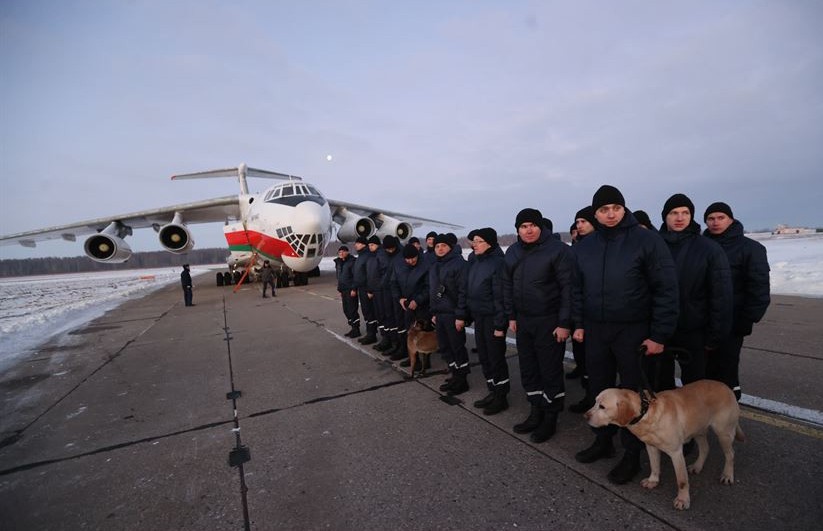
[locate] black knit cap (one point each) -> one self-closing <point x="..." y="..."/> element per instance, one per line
<point x="472" y="233"/>
<point x="586" y="213"/>
<point x="528" y="215"/>
<point x="443" y="238"/>
<point x="414" y="239"/>
<point x="548" y="224"/>
<point x="607" y="195"/>
<point x="643" y="218"/>
<point x="452" y="237"/>
<point x="718" y="207"/>
<point x="487" y="234"/>
<point x="342" y="248"/>
<point x="389" y="242"/>
<point x="677" y="201"/>
<point x="410" y="251"/>
<point x="431" y="234"/>
<point x="375" y="239"/>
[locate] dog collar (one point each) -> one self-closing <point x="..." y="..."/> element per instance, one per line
<point x="644" y="407"/>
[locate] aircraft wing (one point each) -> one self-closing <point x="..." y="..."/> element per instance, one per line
<point x="371" y="212"/>
<point x="209" y="210"/>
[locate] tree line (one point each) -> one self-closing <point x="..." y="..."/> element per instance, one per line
<point x="81" y="264"/>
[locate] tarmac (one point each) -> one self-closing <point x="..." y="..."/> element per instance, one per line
<point x="251" y="413"/>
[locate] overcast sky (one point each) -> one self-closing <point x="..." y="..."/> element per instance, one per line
<point x="465" y="111"/>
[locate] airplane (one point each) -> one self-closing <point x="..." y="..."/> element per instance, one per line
<point x="290" y="223"/>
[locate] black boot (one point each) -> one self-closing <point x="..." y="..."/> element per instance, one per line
<point x="498" y="404"/>
<point x="459" y="385"/>
<point x="427" y="362"/>
<point x="584" y="405"/>
<point x="602" y="447"/>
<point x="626" y="469"/>
<point x="400" y="352"/>
<point x="445" y="386"/>
<point x="546" y="428"/>
<point x="531" y="423"/>
<point x="354" y="332"/>
<point x="368" y="339"/>
<point x="485" y="401"/>
<point x="384" y="345"/>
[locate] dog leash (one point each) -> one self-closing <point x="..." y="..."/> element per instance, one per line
<point x="646" y="391"/>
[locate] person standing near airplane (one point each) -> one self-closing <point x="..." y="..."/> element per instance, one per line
<point x="185" y="280"/>
<point x="625" y="297"/>
<point x="705" y="285"/>
<point x="344" y="267"/>
<point x="375" y="276"/>
<point x="394" y="314"/>
<point x="584" y="223"/>
<point x="410" y="292"/>
<point x="447" y="300"/>
<point x="267" y="277"/>
<point x="751" y="292"/>
<point x="360" y="289"/>
<point x="537" y="302"/>
<point x="484" y="298"/>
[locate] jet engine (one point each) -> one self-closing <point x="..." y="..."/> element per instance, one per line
<point x="387" y="225"/>
<point x="352" y="226"/>
<point x="175" y="237"/>
<point x="109" y="246"/>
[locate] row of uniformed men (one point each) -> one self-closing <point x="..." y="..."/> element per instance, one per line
<point x="620" y="288"/>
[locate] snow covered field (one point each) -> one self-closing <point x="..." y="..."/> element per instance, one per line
<point x="34" y="309"/>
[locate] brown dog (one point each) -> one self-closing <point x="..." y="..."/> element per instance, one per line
<point x="423" y="342"/>
<point x="673" y="417"/>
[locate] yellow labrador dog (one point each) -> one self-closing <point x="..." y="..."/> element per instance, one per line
<point x="669" y="420"/>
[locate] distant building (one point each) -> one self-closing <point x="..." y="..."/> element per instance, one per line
<point x="785" y="229"/>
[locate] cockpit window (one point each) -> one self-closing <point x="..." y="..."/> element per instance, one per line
<point x="294" y="194"/>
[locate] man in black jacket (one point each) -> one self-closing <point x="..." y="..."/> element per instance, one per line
<point x="750" y="279"/>
<point x="537" y="302"/>
<point x="410" y="291"/>
<point x="625" y="296"/>
<point x="447" y="301"/>
<point x="344" y="267"/>
<point x="185" y="280"/>
<point x="705" y="285"/>
<point x="484" y="298"/>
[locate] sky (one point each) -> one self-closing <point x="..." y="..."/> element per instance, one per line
<point x="463" y="111"/>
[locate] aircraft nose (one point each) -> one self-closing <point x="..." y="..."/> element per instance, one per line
<point x="311" y="218"/>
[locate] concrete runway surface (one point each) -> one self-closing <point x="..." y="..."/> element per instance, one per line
<point x="130" y="423"/>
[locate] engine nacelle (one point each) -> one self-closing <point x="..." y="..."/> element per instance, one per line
<point x="175" y="238"/>
<point x="387" y="225"/>
<point x="353" y="226"/>
<point x="107" y="248"/>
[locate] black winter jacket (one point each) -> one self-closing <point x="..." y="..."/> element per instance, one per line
<point x="750" y="277"/>
<point x="376" y="270"/>
<point x="411" y="282"/>
<point x="447" y="284"/>
<point x="360" y="266"/>
<point x="484" y="295"/>
<point x="626" y="274"/>
<point x="538" y="279"/>
<point x="345" y="273"/>
<point x="705" y="283"/>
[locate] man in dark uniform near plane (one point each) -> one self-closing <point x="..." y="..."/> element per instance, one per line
<point x="360" y="289"/>
<point x="750" y="280"/>
<point x="625" y="296"/>
<point x="344" y="267"/>
<point x="537" y="285"/>
<point x="185" y="280"/>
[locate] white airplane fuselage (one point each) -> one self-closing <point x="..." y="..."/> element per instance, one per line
<point x="290" y="223"/>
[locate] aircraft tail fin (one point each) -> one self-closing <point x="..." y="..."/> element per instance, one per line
<point x="241" y="172"/>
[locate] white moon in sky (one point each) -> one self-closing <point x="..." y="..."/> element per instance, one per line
<point x="328" y="157"/>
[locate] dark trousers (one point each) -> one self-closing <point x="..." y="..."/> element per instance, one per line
<point x="579" y="352"/>
<point x="367" y="308"/>
<point x="541" y="361"/>
<point x="382" y="310"/>
<point x="350" y="306"/>
<point x="723" y="363"/>
<point x="612" y="349"/>
<point x="266" y="284"/>
<point x="492" y="353"/>
<point x="187" y="296"/>
<point x="660" y="369"/>
<point x="452" y="344"/>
